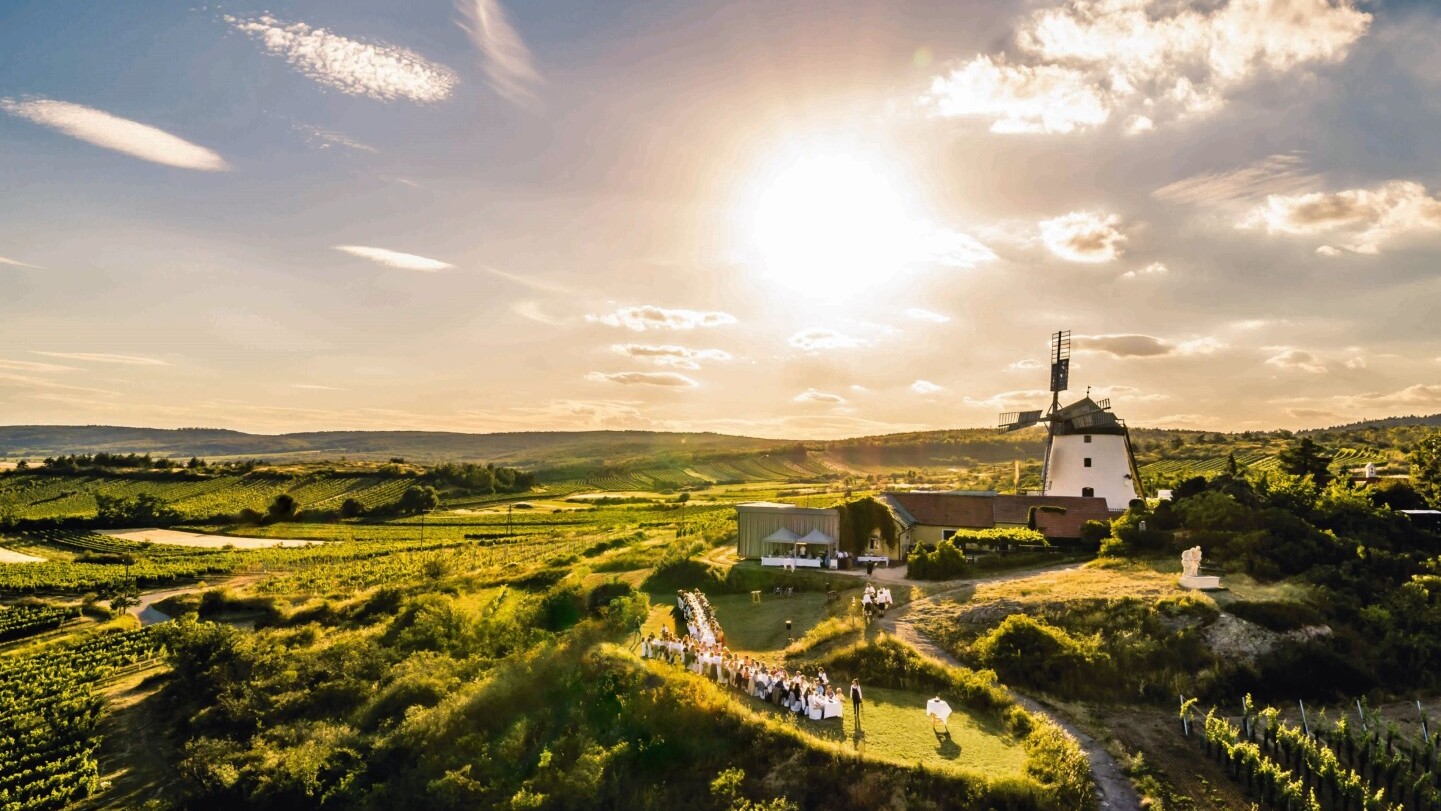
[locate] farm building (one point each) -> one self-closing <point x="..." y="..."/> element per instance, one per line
<point x="768" y="530"/>
<point x="933" y="517"/>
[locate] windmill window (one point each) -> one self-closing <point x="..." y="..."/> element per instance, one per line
<point x="1088" y="492"/>
<point x="1088" y="439"/>
<point x="1087" y="461"/>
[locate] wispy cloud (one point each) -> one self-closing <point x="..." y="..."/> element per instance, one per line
<point x="926" y="387"/>
<point x="100" y="357"/>
<point x="666" y="379"/>
<point x="30" y="366"/>
<point x="314" y="387"/>
<point x="1364" y="218"/>
<point x="1145" y="346"/>
<point x="322" y="138"/>
<point x="395" y="259"/>
<point x="813" y="396"/>
<point x="1277" y="174"/>
<point x="647" y="317"/>
<point x="1155" y="270"/>
<point x="113" y="132"/>
<point x="1083" y="236"/>
<point x="27" y="383"/>
<point x="509" y="66"/>
<point x="17" y="263"/>
<point x="1292" y="358"/>
<point x="681" y="357"/>
<point x="1009" y="400"/>
<point x="376" y="70"/>
<point x="1081" y="63"/>
<point x="919" y="314"/>
<point x="815" y="339"/>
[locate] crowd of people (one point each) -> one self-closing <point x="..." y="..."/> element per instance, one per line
<point x="702" y="651"/>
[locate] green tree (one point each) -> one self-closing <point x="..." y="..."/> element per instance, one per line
<point x="1304" y="458"/>
<point x="1426" y="468"/>
<point x="352" y="508"/>
<point x="418" y="499"/>
<point x="283" y="508"/>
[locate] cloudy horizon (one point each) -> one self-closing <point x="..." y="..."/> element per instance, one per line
<point x="797" y="222"/>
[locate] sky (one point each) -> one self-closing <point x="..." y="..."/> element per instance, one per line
<point x="804" y="219"/>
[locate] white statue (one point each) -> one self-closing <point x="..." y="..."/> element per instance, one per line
<point x="1191" y="562"/>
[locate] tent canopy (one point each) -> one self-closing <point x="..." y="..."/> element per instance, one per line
<point x="815" y="536"/>
<point x="781" y="535"/>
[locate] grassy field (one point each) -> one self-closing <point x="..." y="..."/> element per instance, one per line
<point x="895" y="728"/>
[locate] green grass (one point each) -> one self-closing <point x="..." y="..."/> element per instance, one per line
<point x="760" y="628"/>
<point x="894" y="728"/>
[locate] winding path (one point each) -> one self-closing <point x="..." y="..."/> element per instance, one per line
<point x="1114" y="791"/>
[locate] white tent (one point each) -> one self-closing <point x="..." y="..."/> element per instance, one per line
<point x="815" y="536"/>
<point x="782" y="535"/>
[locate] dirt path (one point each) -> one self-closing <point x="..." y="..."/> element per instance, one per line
<point x="1114" y="791"/>
<point x="146" y="612"/>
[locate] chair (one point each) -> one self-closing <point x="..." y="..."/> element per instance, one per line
<point x="756" y="596"/>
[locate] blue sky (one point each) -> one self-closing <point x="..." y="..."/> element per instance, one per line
<point x="803" y="219"/>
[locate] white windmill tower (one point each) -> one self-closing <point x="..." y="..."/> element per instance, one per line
<point x="1088" y="449"/>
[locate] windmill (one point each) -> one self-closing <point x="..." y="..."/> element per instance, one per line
<point x="1088" y="448"/>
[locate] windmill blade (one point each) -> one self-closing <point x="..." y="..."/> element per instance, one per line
<point x="1016" y="420"/>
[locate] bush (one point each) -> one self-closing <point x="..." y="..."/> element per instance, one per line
<point x="1034" y="653"/>
<point x="1276" y="616"/>
<point x="1094" y="532"/>
<point x="945" y="562"/>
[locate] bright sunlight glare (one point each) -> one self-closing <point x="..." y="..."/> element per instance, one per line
<point x="831" y="225"/>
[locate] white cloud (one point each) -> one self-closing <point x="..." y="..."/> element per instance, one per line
<point x="1010" y="400"/>
<point x="375" y="70"/>
<point x="813" y="396"/>
<point x="815" y="339"/>
<point x="508" y="63"/>
<point x="681" y="357"/>
<point x="919" y="314"/>
<point x="946" y="247"/>
<point x="1276" y="174"/>
<point x="531" y="310"/>
<point x="395" y="259"/>
<point x="1083" y="236"/>
<point x="667" y="379"/>
<point x="1364" y="218"/>
<point x="99" y="357"/>
<point x="646" y="317"/>
<point x="1152" y="271"/>
<point x="321" y="138"/>
<point x="17" y="263"/>
<point x="1026" y="365"/>
<point x="314" y="387"/>
<point x="1083" y="61"/>
<point x="1420" y="395"/>
<point x="925" y="387"/>
<point x="1291" y="358"/>
<point x="113" y="132"/>
<point x="1019" y="98"/>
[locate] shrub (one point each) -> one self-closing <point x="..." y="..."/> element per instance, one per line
<point x="1276" y="616"/>
<point x="1094" y="532"/>
<point x="1035" y="653"/>
<point x="945" y="562"/>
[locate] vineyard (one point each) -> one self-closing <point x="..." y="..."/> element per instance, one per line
<point x="760" y="468"/>
<point x="48" y="718"/>
<point x="1174" y="470"/>
<point x="18" y="622"/>
<point x="1328" y="767"/>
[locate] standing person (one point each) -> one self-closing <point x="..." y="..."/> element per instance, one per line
<point x="856" y="701"/>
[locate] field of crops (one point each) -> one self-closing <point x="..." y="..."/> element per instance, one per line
<point x="1172" y="470"/>
<point x="20" y="621"/>
<point x="1331" y="766"/>
<point x="41" y="496"/>
<point x="48" y="718"/>
<point x="760" y="468"/>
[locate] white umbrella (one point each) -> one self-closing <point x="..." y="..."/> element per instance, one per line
<point x="938" y="709"/>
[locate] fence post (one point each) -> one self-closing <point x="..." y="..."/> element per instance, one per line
<point x="1305" y="725"/>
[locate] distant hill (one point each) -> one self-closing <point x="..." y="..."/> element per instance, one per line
<point x="531" y="449"/>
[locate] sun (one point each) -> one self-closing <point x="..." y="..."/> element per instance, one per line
<point x="830" y="224"/>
